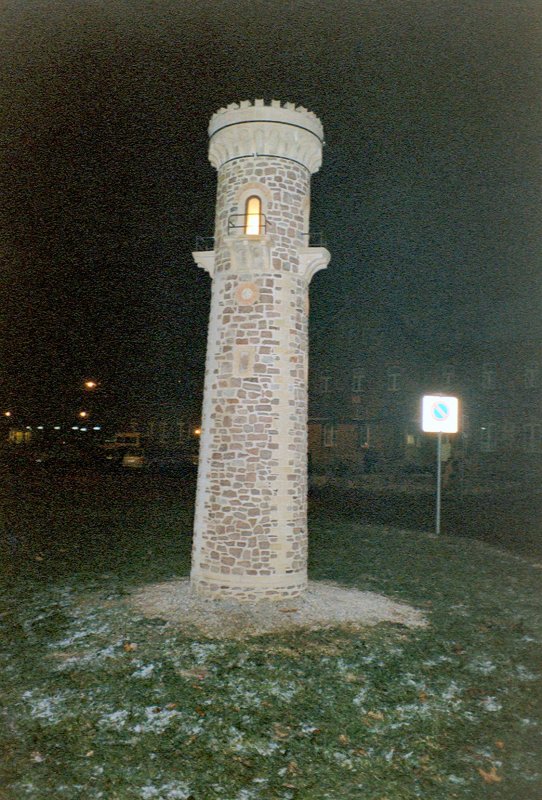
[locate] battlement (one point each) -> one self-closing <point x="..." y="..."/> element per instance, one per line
<point x="262" y="104"/>
<point x="256" y="128"/>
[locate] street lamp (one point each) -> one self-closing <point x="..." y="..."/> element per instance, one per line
<point x="90" y="384"/>
<point x="83" y="414"/>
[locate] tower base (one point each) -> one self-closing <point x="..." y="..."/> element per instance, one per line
<point x="245" y="588"/>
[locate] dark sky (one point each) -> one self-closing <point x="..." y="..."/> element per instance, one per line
<point x="429" y="194"/>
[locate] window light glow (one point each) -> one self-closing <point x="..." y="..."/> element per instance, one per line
<point x="253" y="216"/>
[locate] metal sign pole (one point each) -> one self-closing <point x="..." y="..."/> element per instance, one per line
<point x="439" y="415"/>
<point x="439" y="479"/>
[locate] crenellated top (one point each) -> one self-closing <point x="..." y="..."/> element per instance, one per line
<point x="283" y="130"/>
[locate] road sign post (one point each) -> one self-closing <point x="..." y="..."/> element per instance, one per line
<point x="439" y="415"/>
<point x="439" y="481"/>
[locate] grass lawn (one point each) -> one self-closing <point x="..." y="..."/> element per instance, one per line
<point x="99" y="703"/>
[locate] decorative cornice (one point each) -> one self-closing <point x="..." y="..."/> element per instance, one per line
<point x="205" y="259"/>
<point x="252" y="129"/>
<point x="253" y="256"/>
<point x="312" y="260"/>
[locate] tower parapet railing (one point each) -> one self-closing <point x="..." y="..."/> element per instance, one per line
<point x="204" y="244"/>
<point x="207" y="243"/>
<point x="316" y="239"/>
<point x="239" y="221"/>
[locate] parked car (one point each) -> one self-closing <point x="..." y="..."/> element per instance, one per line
<point x="133" y="459"/>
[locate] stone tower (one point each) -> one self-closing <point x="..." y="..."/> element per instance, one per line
<point x="250" y="532"/>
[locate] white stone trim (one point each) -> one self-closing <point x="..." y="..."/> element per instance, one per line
<point x="275" y="130"/>
<point x="312" y="260"/>
<point x="257" y="583"/>
<point x="275" y="112"/>
<point x="205" y="259"/>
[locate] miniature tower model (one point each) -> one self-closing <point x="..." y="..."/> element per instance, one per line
<point x="250" y="532"/>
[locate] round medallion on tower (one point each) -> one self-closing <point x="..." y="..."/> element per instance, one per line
<point x="247" y="294"/>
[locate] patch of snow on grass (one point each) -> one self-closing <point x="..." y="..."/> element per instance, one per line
<point x="53" y="708"/>
<point x="484" y="667"/>
<point x="201" y="652"/>
<point x="343" y="760"/>
<point x="156" y="720"/>
<point x="143" y="671"/>
<point x="168" y="791"/>
<point x="91" y="657"/>
<point x="79" y="635"/>
<point x="523" y="674"/>
<point x="461" y="610"/>
<point x="279" y="692"/>
<point x="306" y="728"/>
<point x="451" y="692"/>
<point x="434" y="662"/>
<point x="490" y="704"/>
<point x="248" y="794"/>
<point x="115" y="721"/>
<point x="266" y="748"/>
<point x="361" y="696"/>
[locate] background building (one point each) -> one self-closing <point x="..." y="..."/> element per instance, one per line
<point x="366" y="385"/>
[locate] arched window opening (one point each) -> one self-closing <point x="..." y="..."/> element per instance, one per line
<point x="253" y="216"/>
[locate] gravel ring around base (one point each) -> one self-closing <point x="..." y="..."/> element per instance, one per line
<point x="324" y="604"/>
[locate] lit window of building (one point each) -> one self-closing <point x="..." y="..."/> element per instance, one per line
<point x="357" y="380"/>
<point x="330" y="435"/>
<point x="531" y="376"/>
<point x="253" y="216"/>
<point x="488" y="437"/>
<point x="532" y="437"/>
<point x="393" y="378"/>
<point x="448" y="375"/>
<point x="489" y="376"/>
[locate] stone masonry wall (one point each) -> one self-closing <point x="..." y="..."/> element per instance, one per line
<point x="251" y="527"/>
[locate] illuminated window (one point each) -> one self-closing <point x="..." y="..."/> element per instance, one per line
<point x="448" y="375"/>
<point x="531" y="376"/>
<point x="329" y="435"/>
<point x="532" y="437"/>
<point x="489" y="376"/>
<point x="253" y="216"/>
<point x="357" y="380"/>
<point x="393" y="376"/>
<point x="488" y="437"/>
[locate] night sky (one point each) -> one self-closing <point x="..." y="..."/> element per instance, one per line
<point x="428" y="197"/>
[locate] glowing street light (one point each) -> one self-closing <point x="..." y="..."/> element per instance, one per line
<point x="90" y="384"/>
<point x="83" y="414"/>
<point x="7" y="413"/>
<point x="197" y="431"/>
